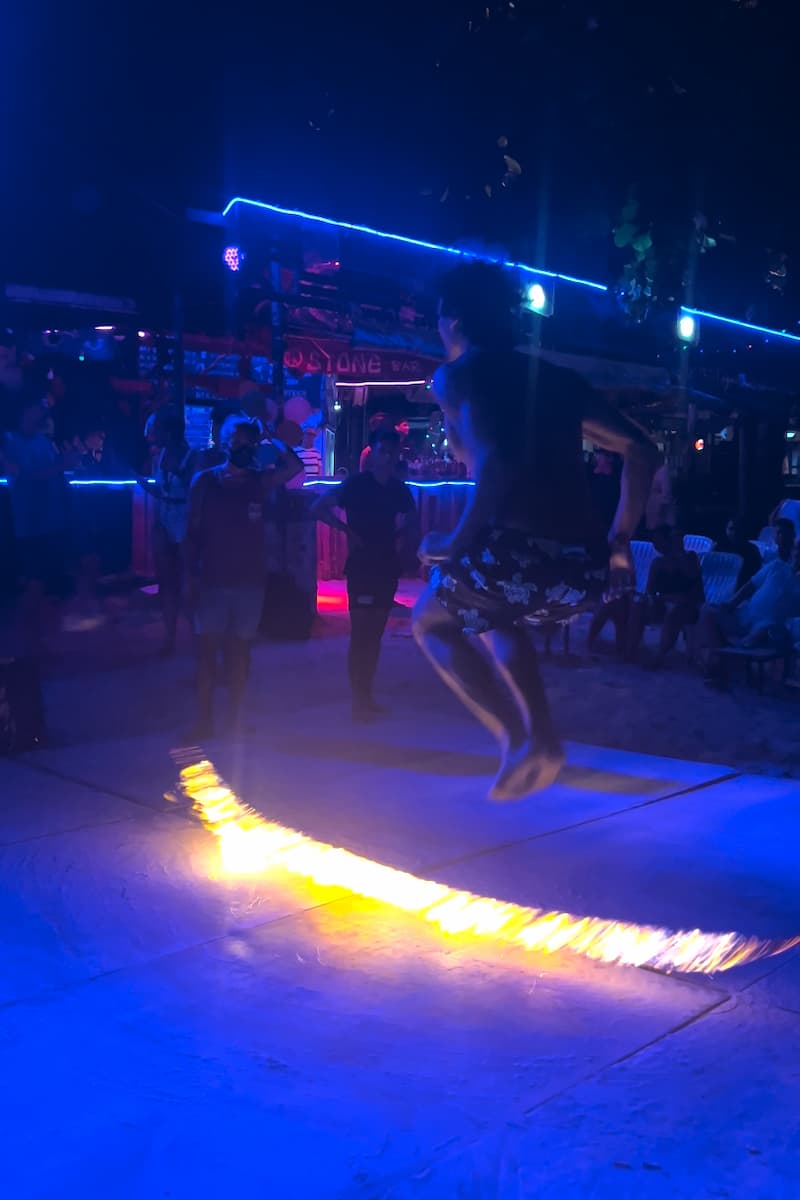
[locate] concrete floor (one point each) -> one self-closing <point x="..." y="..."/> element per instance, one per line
<point x="166" y="1031"/>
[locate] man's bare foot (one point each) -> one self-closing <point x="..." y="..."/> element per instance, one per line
<point x="528" y="769"/>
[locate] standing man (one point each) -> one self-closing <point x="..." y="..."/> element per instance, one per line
<point x="309" y="455"/>
<point x="39" y="507"/>
<point x="174" y="469"/>
<point x="380" y="510"/>
<point x="528" y="543"/>
<point x="225" y="564"/>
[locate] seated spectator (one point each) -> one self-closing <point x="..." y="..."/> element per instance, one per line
<point x="734" y="541"/>
<point x="617" y="610"/>
<point x="758" y="613"/>
<point x="39" y="508"/>
<point x="673" y="598"/>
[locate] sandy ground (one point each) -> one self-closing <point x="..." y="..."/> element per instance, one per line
<point x="170" y="1028"/>
<point x="596" y="699"/>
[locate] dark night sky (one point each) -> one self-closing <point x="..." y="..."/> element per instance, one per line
<point x="372" y="111"/>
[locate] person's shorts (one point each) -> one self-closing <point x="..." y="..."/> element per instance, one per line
<point x="229" y="611"/>
<point x="508" y="574"/>
<point x="43" y="560"/>
<point x="371" y="591"/>
<point x="656" y="609"/>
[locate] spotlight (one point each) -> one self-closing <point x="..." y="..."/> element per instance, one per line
<point x="687" y="328"/>
<point x="233" y="257"/>
<point x="538" y="300"/>
<point x="700" y="445"/>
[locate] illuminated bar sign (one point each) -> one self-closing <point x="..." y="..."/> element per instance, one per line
<point x="303" y="357"/>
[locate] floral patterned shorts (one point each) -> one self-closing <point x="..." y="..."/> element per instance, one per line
<point x="509" y="574"/>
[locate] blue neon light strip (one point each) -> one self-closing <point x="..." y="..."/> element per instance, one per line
<point x="124" y="483"/>
<point x="761" y="329"/>
<point x="408" y="241"/>
<point x="103" y="483"/>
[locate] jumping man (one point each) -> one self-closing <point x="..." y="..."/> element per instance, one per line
<point x="528" y="543"/>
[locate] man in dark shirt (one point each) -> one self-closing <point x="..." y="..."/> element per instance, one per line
<point x="224" y="549"/>
<point x="379" y="509"/>
<point x="735" y="542"/>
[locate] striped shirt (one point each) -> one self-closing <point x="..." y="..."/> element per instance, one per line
<point x="311" y="460"/>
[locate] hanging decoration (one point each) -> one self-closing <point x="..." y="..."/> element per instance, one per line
<point x="636" y="288"/>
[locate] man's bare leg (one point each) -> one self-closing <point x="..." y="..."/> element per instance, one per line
<point x="503" y="691"/>
<point x="536" y="762"/>
<point x="467" y="670"/>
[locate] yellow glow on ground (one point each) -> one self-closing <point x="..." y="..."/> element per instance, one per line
<point x="249" y="844"/>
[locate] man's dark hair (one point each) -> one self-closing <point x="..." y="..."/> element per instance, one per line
<point x="384" y="437"/>
<point x="785" y="526"/>
<point x="486" y="300"/>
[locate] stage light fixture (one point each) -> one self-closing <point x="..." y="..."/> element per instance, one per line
<point x="233" y="257"/>
<point x="687" y="328"/>
<point x="539" y="300"/>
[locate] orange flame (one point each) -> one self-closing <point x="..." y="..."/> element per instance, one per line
<point x="249" y="844"/>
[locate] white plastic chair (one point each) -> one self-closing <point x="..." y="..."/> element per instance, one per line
<point x="720" y="576"/>
<point x="700" y="545"/>
<point x="643" y="554"/>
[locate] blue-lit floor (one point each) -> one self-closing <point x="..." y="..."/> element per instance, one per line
<point x="167" y="1031"/>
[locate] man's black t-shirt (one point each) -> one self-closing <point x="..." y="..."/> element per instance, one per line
<point x="372" y="509"/>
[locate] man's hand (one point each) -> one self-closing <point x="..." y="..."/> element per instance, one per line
<point x="435" y="547"/>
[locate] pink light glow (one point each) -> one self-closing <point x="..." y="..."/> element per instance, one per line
<point x="385" y="383"/>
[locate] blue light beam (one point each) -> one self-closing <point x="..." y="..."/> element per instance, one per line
<point x="408" y="241"/>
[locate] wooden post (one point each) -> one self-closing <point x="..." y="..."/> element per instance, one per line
<point x="277" y="326"/>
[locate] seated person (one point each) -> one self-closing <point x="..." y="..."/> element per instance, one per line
<point x="759" y="611"/>
<point x="734" y="541"/>
<point x="674" y="595"/>
<point x="617" y="610"/>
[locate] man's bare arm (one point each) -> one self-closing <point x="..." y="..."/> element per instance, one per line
<point x="323" y="510"/>
<point x="482" y="507"/>
<point x="613" y="431"/>
<point x="191" y="543"/>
